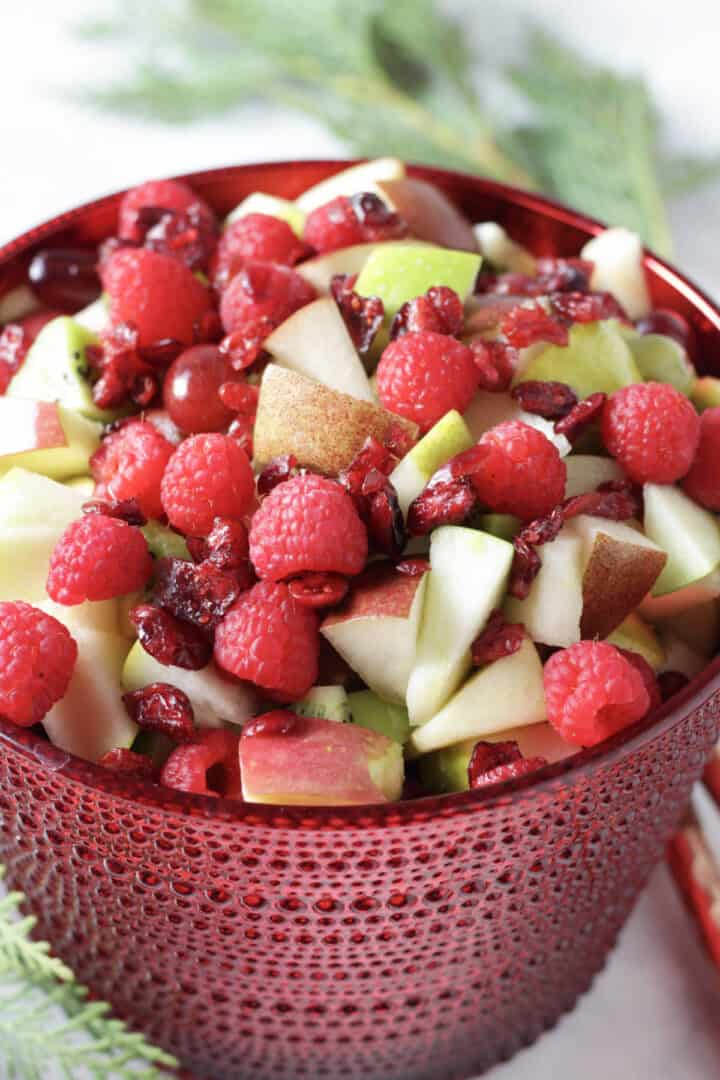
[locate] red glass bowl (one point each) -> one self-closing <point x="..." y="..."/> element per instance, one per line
<point x="425" y="940"/>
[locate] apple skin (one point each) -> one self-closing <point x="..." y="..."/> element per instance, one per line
<point x="29" y="425"/>
<point x="430" y="215"/>
<point x="321" y="763"/>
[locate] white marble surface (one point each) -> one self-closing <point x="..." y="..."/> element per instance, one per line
<point x="653" y="1014"/>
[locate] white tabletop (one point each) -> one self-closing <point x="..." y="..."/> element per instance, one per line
<point x="654" y="1012"/>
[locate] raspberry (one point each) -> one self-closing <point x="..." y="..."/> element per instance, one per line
<point x="308" y="523"/>
<point x="262" y="293"/>
<point x="208" y="476"/>
<point x="270" y="640"/>
<point x="592" y="691"/>
<point x="357" y="219"/>
<point x="209" y="766"/>
<point x="97" y="558"/>
<point x="440" y="309"/>
<point x="37" y="657"/>
<point x="158" y="195"/>
<point x="255" y="236"/>
<point x="648" y="677"/>
<point x="421" y="376"/>
<point x="156" y="294"/>
<point x="130" y="465"/>
<point x="518" y="470"/>
<point x="702" y="482"/>
<point x="652" y="430"/>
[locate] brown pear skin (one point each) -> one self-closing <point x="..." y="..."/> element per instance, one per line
<point x="617" y="577"/>
<point x="323" y="428"/>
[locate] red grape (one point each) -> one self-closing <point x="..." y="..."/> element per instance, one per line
<point x="190" y="391"/>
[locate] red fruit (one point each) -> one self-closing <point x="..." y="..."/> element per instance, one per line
<point x="490" y="763"/>
<point x="318" y="590"/>
<point x="702" y="482"/>
<point x="446" y="500"/>
<point x="170" y="640"/>
<point x="255" y="236"/>
<point x="191" y="390"/>
<point x="97" y="558"/>
<point x="163" y="708"/>
<point x="548" y="399"/>
<point x="525" y="324"/>
<point x="585" y="412"/>
<point x="309" y="523"/>
<point x="592" y="691"/>
<point x="363" y="315"/>
<point x="200" y="595"/>
<point x="357" y="219"/>
<point x="648" y="677"/>
<point x="208" y="476"/>
<point x="15" y="341"/>
<point x="440" y="310"/>
<point x="130" y="465"/>
<point x="263" y="293"/>
<point x="278" y="722"/>
<point x="125" y="761"/>
<point x="225" y="546"/>
<point x="208" y="766"/>
<point x="422" y="376"/>
<point x="276" y="472"/>
<point x="37" y="658"/>
<point x="671" y="683"/>
<point x="496" y="362"/>
<point x="499" y="638"/>
<point x="160" y="195"/>
<point x="652" y="430"/>
<point x="65" y="278"/>
<point x="188" y="235"/>
<point x="578" y="307"/>
<point x="516" y="470"/>
<point x="127" y="510"/>
<point x="156" y="294"/>
<point x="270" y="640"/>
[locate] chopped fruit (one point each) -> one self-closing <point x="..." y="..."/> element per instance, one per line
<point x="516" y="470"/>
<point x="662" y="359"/>
<point x="490" y="408"/>
<point x="586" y="412"/>
<point x="702" y="482"/>
<point x="446" y="500"/>
<point x="586" y="472"/>
<point x="322" y="428"/>
<point x="653" y="432"/>
<point x="95" y="317"/>
<point x="208" y="476"/>
<point x="376" y="629"/>
<point x="190" y="236"/>
<point x="440" y="310"/>
<point x="260" y="203"/>
<point x="168" y="640"/>
<point x="130" y="465"/>
<point x="208" y="766"/>
<point x="592" y="692"/>
<point x="162" y="708"/>
<point x="580" y="307"/>
<point x="691" y="537"/>
<point x="385" y="717"/>
<point x="318" y="590"/>
<point x="129" y="763"/>
<point x="37" y="658"/>
<point x="467" y="580"/>
<point x="350" y="181"/>
<point x="597" y="358"/>
<point x="215" y="698"/>
<point x="504" y="526"/>
<point x="635" y="635"/>
<point x="268" y="639"/>
<point x="352" y="219"/>
<point x="552" y="400"/>
<point x="321" y="271"/>
<point x="422" y="376"/>
<point x="491" y="763"/>
<point x="318" y="762"/>
<point x="315" y="342"/>
<point x="254" y="236"/>
<point x="171" y="195"/>
<point x="448" y="437"/>
<point x="97" y="558"/>
<point x="200" y="594"/>
<point x="191" y="390"/>
<point x="706" y="393"/>
<point x="164" y="543"/>
<point x="501" y="251"/>
<point x="617" y="258"/>
<point x="429" y="213"/>
<point x="226" y="545"/>
<point x="527" y="324"/>
<point x="363" y="315"/>
<point x="400" y="272"/>
<point x="262" y="291"/>
<point x="327" y="702"/>
<point x="64" y="278"/>
<point x="156" y="294"/>
<point x="647" y="674"/>
<point x="505" y="694"/>
<point x="45" y="438"/>
<point x="680" y="657"/>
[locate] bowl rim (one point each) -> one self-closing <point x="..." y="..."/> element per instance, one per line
<point x="95" y="778"/>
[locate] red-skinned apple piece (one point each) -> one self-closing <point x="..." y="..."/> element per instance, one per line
<point x="45" y="437"/>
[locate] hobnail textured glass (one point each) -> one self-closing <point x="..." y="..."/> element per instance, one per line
<point x="419" y="941"/>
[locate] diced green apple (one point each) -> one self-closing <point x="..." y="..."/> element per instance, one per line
<point x="617" y="258"/>
<point x="271" y="205"/>
<point x="448" y="437"/>
<point x="101" y="615"/>
<point x="635" y="634"/>
<point x="321" y="763"/>
<point x="662" y="359"/>
<point x="596" y="358"/>
<point x="467" y="580"/>
<point x="164" y="543"/>
<point x="399" y="272"/>
<point x="501" y="251"/>
<point x="504" y="526"/>
<point x="505" y="694"/>
<point x="429" y="213"/>
<point x="96" y="316"/>
<point x="351" y="181"/>
<point x="706" y="393"/>
<point x="586" y="472"/>
<point x="316" y="342"/>
<point x="45" y="438"/>
<point x="24" y="559"/>
<point x="691" y="537"/>
<point x="487" y="410"/>
<point x="376" y="629"/>
<point x="385" y="717"/>
<point x="327" y="702"/>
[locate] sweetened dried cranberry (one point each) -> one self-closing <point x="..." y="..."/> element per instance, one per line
<point x="440" y="310"/>
<point x="65" y="278"/>
<point x="279" y="722"/>
<point x="525" y="324"/>
<point x="318" y="590"/>
<point x="241" y="430"/>
<point x="445" y="502"/>
<point x="13" y="350"/>
<point x="548" y="399"/>
<point x="384" y="521"/>
<point x="490" y="755"/>
<point x="413" y="567"/>
<point x="525" y="568"/>
<point x="363" y="315"/>
<point x="512" y="284"/>
<point x="243" y="347"/>
<point x="563" y="275"/>
<point x="577" y="307"/>
<point x="671" y="683"/>
<point x="499" y="638"/>
<point x="373" y="455"/>
<point x="585" y="412"/>
<point x="123" y="372"/>
<point x="198" y="594"/>
<point x="616" y="501"/>
<point x="226" y="545"/>
<point x="398" y="441"/>
<point x="163" y="708"/>
<point x="276" y="472"/>
<point x="169" y="640"/>
<point x="371" y="211"/>
<point x="189" y="235"/>
<point x="126" y="761"/>
<point x="510" y="770"/>
<point x="542" y="530"/>
<point x="239" y="397"/>
<point x="125" y="509"/>
<point x="496" y="362"/>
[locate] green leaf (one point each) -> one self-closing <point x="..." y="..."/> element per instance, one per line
<point x="682" y="174"/>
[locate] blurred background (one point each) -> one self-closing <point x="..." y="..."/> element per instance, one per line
<point x="609" y="105"/>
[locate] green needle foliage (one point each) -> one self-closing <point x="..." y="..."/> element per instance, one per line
<point x="47" y="1025"/>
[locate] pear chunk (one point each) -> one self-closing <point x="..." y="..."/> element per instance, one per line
<point x="501" y="251"/>
<point x="596" y="358"/>
<point x="351" y="181"/>
<point x="44" y="437"/>
<point x="617" y="258"/>
<point x="691" y="537"/>
<point x="586" y="472"/>
<point x="448" y="437"/>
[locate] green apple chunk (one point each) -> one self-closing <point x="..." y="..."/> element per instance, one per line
<point x="399" y="272"/>
<point x="321" y="763"/>
<point x="271" y="205"/>
<point x="505" y="694"/>
<point x="385" y="717"/>
<point x="327" y="702"/>
<point x="635" y="634"/>
<point x="698" y="627"/>
<point x="446" y="770"/>
<point x="617" y="258"/>
<point x="467" y="580"/>
<point x="487" y="410"/>
<point x="45" y="438"/>
<point x="448" y="437"/>
<point x="350" y="182"/>
<point x="216" y="700"/>
<point x="706" y="393"/>
<point x="91" y="719"/>
<point x="504" y="526"/>
<point x="586" y="472"/>
<point x="596" y="358"/>
<point x="376" y="629"/>
<point x="164" y="543"/>
<point x="691" y="537"/>
<point x="501" y="251"/>
<point x="316" y="342"/>
<point x="662" y="359"/>
<point x="96" y="316"/>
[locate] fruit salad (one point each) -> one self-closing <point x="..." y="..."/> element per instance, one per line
<point x="347" y="499"/>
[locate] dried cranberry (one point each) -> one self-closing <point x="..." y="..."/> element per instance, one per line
<point x="585" y="412"/>
<point x="239" y="397"/>
<point x="125" y="509"/>
<point x="443" y="502"/>
<point x="525" y="568"/>
<point x="415" y="566"/>
<point x="226" y="545"/>
<point x="512" y="770"/>
<point x="65" y="278"/>
<point x="190" y="235"/>
<point x="671" y="683"/>
<point x="276" y="472"/>
<point x="496" y="362"/>
<point x="372" y="212"/>
<point x="616" y="501"/>
<point x="373" y="455"/>
<point x="525" y="324"/>
<point x="128" y="762"/>
<point x="169" y="640"/>
<point x="513" y="284"/>
<point x="490" y="755"/>
<point x="440" y="310"/>
<point x="384" y="521"/>
<point x="162" y="353"/>
<point x="577" y="307"/>
<point x="375" y="498"/>
<point x="279" y="722"/>
<point x="241" y="430"/>
<point x="243" y="347"/>
<point x="124" y="373"/>
<point x="163" y="708"/>
<point x="362" y="315"/>
<point x="542" y="530"/>
<point x="499" y="638"/>
<point x="563" y="275"/>
<point x="200" y="594"/>
<point x="318" y="590"/>
<point x="398" y="441"/>
<point x="548" y="399"/>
